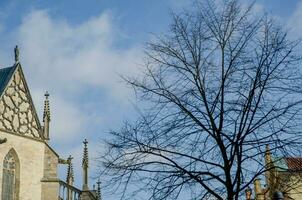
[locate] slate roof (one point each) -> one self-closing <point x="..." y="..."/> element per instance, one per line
<point x="5" y="76"/>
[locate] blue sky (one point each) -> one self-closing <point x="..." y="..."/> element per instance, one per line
<point x="77" y="49"/>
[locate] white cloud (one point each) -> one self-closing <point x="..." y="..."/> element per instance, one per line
<point x="69" y="60"/>
<point x="67" y="120"/>
<point x="79" y="65"/>
<point x="68" y="57"/>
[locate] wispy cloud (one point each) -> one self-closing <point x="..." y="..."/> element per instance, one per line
<point x="69" y="60"/>
<point x="74" y="55"/>
<point x="80" y="66"/>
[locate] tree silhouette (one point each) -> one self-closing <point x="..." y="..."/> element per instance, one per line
<point x="222" y="84"/>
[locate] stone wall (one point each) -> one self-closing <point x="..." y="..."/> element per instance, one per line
<point x="30" y="153"/>
<point x="294" y="187"/>
<point x="50" y="184"/>
<point x="50" y="190"/>
<point x="51" y="161"/>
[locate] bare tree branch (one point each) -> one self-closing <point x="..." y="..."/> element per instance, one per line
<point x="221" y="85"/>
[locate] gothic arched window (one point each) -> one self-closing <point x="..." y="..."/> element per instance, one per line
<point x="10" y="176"/>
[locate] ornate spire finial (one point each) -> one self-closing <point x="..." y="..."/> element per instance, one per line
<point x="46" y="112"/>
<point x="46" y="94"/>
<point x="98" y="192"/>
<point x="70" y="174"/>
<point x="85" y="166"/>
<point x="85" y="154"/>
<point x="16" y="54"/>
<point x="46" y="116"/>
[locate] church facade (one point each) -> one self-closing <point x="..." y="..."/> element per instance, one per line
<point x="28" y="164"/>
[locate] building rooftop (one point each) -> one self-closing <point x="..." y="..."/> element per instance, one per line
<point x="5" y="76"/>
<point x="288" y="163"/>
<point x="294" y="164"/>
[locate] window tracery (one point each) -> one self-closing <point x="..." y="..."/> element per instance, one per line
<point x="10" y="181"/>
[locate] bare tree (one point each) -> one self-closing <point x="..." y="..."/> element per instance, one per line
<point x="222" y="84"/>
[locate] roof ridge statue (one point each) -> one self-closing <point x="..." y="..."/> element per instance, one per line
<point x="17" y="54"/>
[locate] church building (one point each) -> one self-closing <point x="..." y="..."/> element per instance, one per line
<point x="283" y="177"/>
<point x="28" y="164"/>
